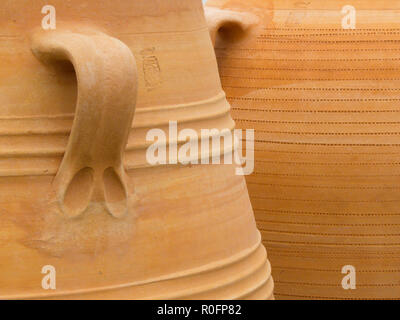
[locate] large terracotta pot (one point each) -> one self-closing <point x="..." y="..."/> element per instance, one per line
<point x="324" y="102"/>
<point x="112" y="225"/>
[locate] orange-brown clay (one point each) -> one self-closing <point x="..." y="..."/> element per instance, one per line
<point x="76" y="190"/>
<point x="324" y="102"/>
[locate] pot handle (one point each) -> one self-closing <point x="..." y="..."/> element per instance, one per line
<point x="92" y="166"/>
<point x="218" y="18"/>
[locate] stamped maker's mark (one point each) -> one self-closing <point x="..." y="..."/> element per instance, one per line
<point x="151" y="68"/>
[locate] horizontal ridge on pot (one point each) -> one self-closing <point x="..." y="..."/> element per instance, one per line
<point x="78" y="193"/>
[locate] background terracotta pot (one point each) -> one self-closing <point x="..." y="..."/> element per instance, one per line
<point x="324" y="102"/>
<point x="79" y="195"/>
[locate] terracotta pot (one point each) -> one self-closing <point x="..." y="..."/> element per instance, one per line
<point x="76" y="190"/>
<point x="324" y="102"/>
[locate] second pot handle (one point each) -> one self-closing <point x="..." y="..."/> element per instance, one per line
<point x="92" y="166"/>
<point x="218" y="18"/>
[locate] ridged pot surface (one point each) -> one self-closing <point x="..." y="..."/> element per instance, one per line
<point x="324" y="103"/>
<point x="77" y="191"/>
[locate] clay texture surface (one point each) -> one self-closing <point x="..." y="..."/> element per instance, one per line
<point x="76" y="189"/>
<point x="324" y="102"/>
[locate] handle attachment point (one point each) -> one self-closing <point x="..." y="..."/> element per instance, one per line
<point x="231" y="25"/>
<point x="107" y="90"/>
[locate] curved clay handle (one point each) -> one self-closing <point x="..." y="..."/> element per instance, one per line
<point x="217" y="19"/>
<point x="107" y="89"/>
